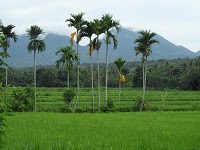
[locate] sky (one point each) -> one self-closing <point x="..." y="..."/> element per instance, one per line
<point x="176" y="20"/>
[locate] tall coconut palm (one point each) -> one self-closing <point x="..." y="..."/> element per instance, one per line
<point x="145" y="41"/>
<point x="68" y="56"/>
<point x="98" y="30"/>
<point x="88" y="31"/>
<point x="8" y="34"/>
<point x="120" y="63"/>
<point x="77" y="22"/>
<point x="108" y="25"/>
<point x="34" y="45"/>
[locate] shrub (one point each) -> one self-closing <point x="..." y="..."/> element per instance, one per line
<point x="22" y="99"/>
<point x="111" y="107"/>
<point x="69" y="96"/>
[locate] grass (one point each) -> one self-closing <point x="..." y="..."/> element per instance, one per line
<point x="51" y="99"/>
<point x="103" y="131"/>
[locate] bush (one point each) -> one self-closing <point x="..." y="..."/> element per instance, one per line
<point x="111" y="107"/>
<point x="69" y="96"/>
<point x="22" y="99"/>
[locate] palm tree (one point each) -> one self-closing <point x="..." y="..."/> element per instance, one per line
<point x="98" y="30"/>
<point x="145" y="41"/>
<point x="119" y="63"/>
<point x="2" y="56"/>
<point x="88" y="31"/>
<point x="35" y="45"/>
<point x="68" y="57"/>
<point x="8" y="34"/>
<point x="77" y="22"/>
<point x="108" y="24"/>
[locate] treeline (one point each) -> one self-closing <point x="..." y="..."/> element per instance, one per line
<point x="183" y="74"/>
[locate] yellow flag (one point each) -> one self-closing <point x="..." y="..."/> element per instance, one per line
<point x="122" y="78"/>
<point x="91" y="49"/>
<point x="72" y="37"/>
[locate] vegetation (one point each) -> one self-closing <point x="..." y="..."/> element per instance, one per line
<point x="35" y="45"/>
<point x="120" y="63"/>
<point x="167" y="85"/>
<point x="78" y="23"/>
<point x="145" y="130"/>
<point x="68" y="96"/>
<point x="2" y="103"/>
<point x="145" y="41"/>
<point x="68" y="57"/>
<point x="109" y="24"/>
<point x="8" y="35"/>
<point x="22" y="99"/>
<point x="98" y="30"/>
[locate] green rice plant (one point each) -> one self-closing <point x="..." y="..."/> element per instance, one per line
<point x="144" y="130"/>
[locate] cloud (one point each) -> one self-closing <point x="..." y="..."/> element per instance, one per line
<point x="177" y="21"/>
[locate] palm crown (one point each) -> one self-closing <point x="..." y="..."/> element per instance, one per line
<point x="7" y="32"/>
<point x="35" y="43"/>
<point x="77" y="22"/>
<point x="145" y="42"/>
<point x="109" y="24"/>
<point x="119" y="63"/>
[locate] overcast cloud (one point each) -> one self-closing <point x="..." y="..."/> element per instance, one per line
<point x="176" y="20"/>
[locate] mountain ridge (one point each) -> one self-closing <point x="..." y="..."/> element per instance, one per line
<point x="20" y="57"/>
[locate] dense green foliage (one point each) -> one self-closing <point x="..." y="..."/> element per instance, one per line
<point x="22" y="99"/>
<point x="146" y="130"/>
<point x="183" y="74"/>
<point x="68" y="96"/>
<point x="51" y="99"/>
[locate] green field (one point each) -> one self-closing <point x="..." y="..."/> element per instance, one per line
<point x="174" y="126"/>
<point x="51" y="99"/>
<point x="103" y="131"/>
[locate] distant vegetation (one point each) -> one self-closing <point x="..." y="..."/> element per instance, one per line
<point x="182" y="74"/>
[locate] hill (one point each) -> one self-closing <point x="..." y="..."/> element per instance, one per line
<point x="20" y="57"/>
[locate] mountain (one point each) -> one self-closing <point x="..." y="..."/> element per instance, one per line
<point x="20" y="57"/>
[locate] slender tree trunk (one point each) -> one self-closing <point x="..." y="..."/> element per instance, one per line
<point x="67" y="78"/>
<point x="92" y="82"/>
<point x="143" y="92"/>
<point x="6" y="96"/>
<point x="119" y="87"/>
<point x="106" y="94"/>
<point x="145" y="76"/>
<point x="78" y="68"/>
<point x="34" y="80"/>
<point x="99" y="100"/>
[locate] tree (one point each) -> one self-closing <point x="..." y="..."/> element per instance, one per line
<point x="88" y="31"/>
<point x="2" y="109"/>
<point x="145" y="41"/>
<point x="78" y="23"/>
<point x="98" y="30"/>
<point x="8" y="35"/>
<point x="34" y="45"/>
<point x="120" y="63"/>
<point x="108" y="24"/>
<point x="68" y="56"/>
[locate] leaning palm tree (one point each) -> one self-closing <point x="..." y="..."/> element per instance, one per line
<point x="35" y="45"/>
<point x="145" y="41"/>
<point x="108" y="24"/>
<point x="68" y="56"/>
<point x="77" y="22"/>
<point x="88" y="31"/>
<point x="120" y="63"/>
<point x="8" y="34"/>
<point x="98" y="30"/>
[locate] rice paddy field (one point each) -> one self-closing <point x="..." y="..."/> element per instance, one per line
<point x="175" y="125"/>
<point x="51" y="99"/>
<point x="103" y="131"/>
